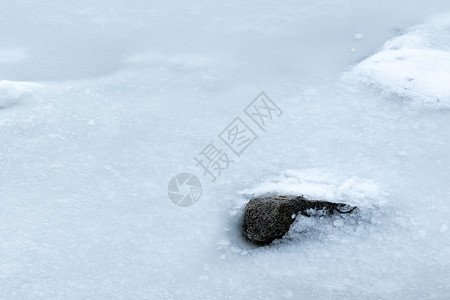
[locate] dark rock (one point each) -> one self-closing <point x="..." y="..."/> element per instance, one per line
<point x="269" y="218"/>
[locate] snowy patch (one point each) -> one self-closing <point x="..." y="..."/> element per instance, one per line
<point x="12" y="92"/>
<point x="414" y="66"/>
<point x="319" y="185"/>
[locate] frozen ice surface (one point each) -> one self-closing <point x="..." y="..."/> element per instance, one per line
<point x="102" y="103"/>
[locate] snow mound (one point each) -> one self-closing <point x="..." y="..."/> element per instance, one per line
<point x="316" y="184"/>
<point x="13" y="92"/>
<point x="414" y="66"/>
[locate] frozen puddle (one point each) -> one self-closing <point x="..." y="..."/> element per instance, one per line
<point x="414" y="66"/>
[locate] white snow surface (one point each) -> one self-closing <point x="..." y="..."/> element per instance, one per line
<point x="101" y="103"/>
<point x="12" y="93"/>
<point x="414" y="66"/>
<point x="318" y="184"/>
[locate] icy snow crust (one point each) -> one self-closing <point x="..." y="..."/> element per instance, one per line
<point x="101" y="104"/>
<point x="414" y="66"/>
<point x="317" y="184"/>
<point x="12" y="93"/>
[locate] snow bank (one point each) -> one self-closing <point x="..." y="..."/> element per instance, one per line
<point x="414" y="66"/>
<point x="13" y="92"/>
<point x="317" y="184"/>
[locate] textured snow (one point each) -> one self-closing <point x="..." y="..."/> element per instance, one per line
<point x="318" y="184"/>
<point x="414" y="66"/>
<point x="103" y="103"/>
<point x="12" y="93"/>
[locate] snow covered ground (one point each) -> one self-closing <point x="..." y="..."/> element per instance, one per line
<point x="414" y="66"/>
<point x="101" y="104"/>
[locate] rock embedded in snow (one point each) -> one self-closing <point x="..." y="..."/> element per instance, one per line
<point x="269" y="218"/>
